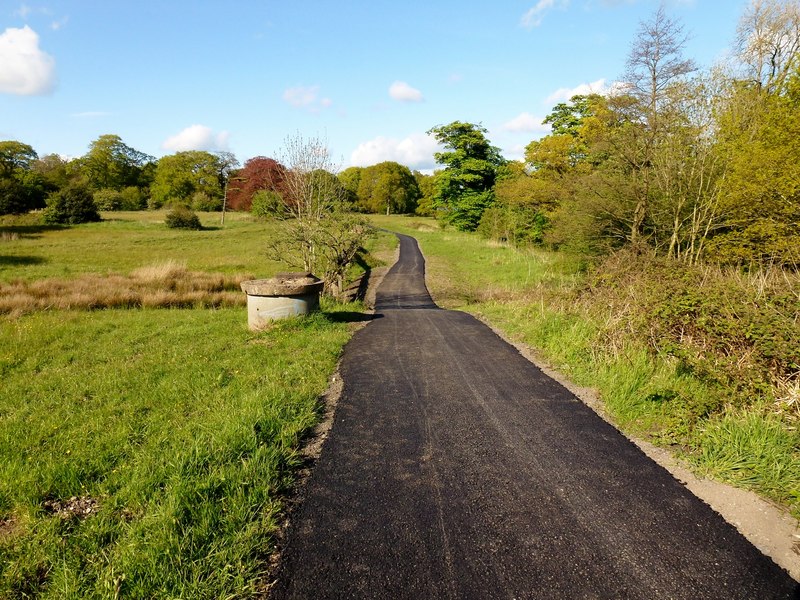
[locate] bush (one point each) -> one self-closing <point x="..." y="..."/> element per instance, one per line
<point x="203" y="202"/>
<point x="266" y="204"/>
<point x="133" y="199"/>
<point x="71" y="205"/>
<point x="108" y="199"/>
<point x="182" y="217"/>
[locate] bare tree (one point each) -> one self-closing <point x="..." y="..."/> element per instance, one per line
<point x="320" y="234"/>
<point x="655" y="63"/>
<point x="768" y="41"/>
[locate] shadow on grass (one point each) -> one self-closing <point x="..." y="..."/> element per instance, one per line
<point x="30" y="231"/>
<point x="19" y="261"/>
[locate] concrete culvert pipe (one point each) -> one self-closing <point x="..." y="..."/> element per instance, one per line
<point x="285" y="295"/>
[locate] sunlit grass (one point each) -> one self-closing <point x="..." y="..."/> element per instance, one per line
<point x="147" y="453"/>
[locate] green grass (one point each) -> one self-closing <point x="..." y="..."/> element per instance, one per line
<point x="541" y="299"/>
<point x="178" y="429"/>
<point x="184" y="427"/>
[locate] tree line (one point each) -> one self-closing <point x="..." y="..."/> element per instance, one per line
<point x="114" y="176"/>
<point x="696" y="166"/>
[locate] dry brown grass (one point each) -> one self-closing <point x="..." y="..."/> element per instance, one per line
<point x="164" y="285"/>
<point x="8" y="236"/>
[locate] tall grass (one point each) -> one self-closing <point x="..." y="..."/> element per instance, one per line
<point x="163" y="285"/>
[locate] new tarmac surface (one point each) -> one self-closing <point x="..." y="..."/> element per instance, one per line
<point x="456" y="469"/>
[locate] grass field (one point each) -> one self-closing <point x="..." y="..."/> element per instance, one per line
<point x="540" y="298"/>
<point x="144" y="452"/>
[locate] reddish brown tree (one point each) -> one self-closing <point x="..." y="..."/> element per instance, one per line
<point x="259" y="173"/>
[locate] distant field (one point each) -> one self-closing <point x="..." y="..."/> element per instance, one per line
<point x="124" y="241"/>
<point x="145" y="453"/>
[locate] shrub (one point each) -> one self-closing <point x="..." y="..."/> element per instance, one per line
<point x="266" y="204"/>
<point x="108" y="199"/>
<point x="71" y="205"/>
<point x="182" y="217"/>
<point x="206" y="203"/>
<point x="132" y="199"/>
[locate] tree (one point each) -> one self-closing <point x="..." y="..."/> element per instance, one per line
<point x="768" y="42"/>
<point x="464" y="186"/>
<point x="387" y="187"/>
<point x="321" y="234"/>
<point x="179" y="176"/>
<point x="350" y="179"/>
<point x="111" y="164"/>
<point x="427" y="191"/>
<point x="21" y="188"/>
<point x="654" y="64"/>
<point x="258" y="174"/>
<point x="14" y="157"/>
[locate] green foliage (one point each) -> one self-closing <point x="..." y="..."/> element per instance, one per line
<point x="266" y="204"/>
<point x="111" y="164"/>
<point x="387" y="187"/>
<point x="203" y="202"/>
<point x="71" y="205"/>
<point x="464" y="188"/>
<point x="179" y="176"/>
<point x="21" y="188"/>
<point x="760" y="195"/>
<point x="517" y="224"/>
<point x="108" y="199"/>
<point x="427" y="190"/>
<point x="182" y="217"/>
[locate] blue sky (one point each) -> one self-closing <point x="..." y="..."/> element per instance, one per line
<point x="369" y="76"/>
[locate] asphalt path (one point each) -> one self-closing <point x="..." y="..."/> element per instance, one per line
<point x="456" y="469"/>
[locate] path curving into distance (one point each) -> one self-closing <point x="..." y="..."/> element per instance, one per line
<point x="456" y="469"/>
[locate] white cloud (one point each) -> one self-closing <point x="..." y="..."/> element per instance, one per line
<point x="23" y="11"/>
<point x="415" y="151"/>
<point x="306" y="97"/>
<point x="533" y="18"/>
<point x="526" y="122"/>
<point x="25" y="70"/>
<point x="403" y="92"/>
<point x="197" y="137"/>
<point x="56" y="25"/>
<point x="595" y="87"/>
<point x="301" y="95"/>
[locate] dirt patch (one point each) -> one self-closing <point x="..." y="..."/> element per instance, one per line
<point x="8" y="527"/>
<point x="769" y="527"/>
<point x="73" y="508"/>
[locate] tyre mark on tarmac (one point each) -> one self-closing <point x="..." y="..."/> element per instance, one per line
<point x="456" y="469"/>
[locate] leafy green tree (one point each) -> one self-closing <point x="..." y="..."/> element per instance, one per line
<point x="21" y="188"/>
<point x="112" y="164"/>
<point x="464" y="188"/>
<point x="179" y="176"/>
<point x="351" y="178"/>
<point x="427" y="191"/>
<point x="387" y="187"/>
<point x="760" y="194"/>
